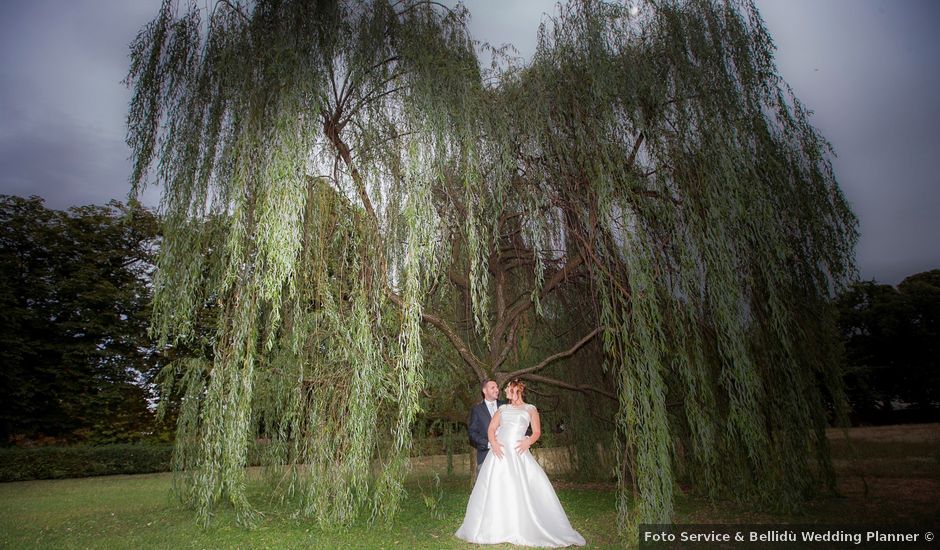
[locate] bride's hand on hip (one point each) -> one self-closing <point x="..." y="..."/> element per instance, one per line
<point x="497" y="448"/>
<point x="523" y="445"/>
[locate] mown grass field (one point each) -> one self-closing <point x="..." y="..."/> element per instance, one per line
<point x="894" y="478"/>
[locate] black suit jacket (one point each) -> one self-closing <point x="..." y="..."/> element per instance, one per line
<point x="477" y="426"/>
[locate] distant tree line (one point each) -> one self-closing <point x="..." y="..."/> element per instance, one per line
<point x="78" y="365"/>
<point x="892" y="346"/>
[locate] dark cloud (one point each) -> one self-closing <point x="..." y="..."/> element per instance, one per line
<point x="61" y="99"/>
<point x="63" y="162"/>
<point x="867" y="68"/>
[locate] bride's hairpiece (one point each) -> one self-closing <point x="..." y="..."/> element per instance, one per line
<point x="518" y="383"/>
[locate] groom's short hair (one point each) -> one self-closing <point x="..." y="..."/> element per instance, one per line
<point x="485" y="382"/>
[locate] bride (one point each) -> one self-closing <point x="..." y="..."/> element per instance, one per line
<point x="513" y="501"/>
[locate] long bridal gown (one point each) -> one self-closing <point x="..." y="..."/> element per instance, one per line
<point x="513" y="501"/>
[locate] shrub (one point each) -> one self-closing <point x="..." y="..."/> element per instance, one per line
<point x="20" y="464"/>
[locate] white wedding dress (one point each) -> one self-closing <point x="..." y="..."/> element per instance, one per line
<point x="513" y="501"/>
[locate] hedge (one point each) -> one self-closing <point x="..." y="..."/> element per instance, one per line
<point x="21" y="464"/>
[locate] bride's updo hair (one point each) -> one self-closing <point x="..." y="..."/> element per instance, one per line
<point x="518" y="383"/>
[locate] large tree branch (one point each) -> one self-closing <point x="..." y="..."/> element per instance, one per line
<point x="561" y="274"/>
<point x="560" y="384"/>
<point x="367" y="99"/>
<point x="507" y="345"/>
<point x="355" y="83"/>
<point x="509" y="316"/>
<point x="462" y="348"/>
<point x="459" y="280"/>
<point x="556" y="279"/>
<point x="332" y="130"/>
<point x="587" y="245"/>
<point x="636" y="149"/>
<point x="560" y="355"/>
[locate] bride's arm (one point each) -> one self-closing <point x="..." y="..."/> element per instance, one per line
<point x="536" y="423"/>
<point x="495" y="445"/>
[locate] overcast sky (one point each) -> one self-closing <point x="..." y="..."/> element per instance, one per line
<point x="869" y="69"/>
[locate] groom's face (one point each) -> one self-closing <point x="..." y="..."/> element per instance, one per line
<point x="490" y="391"/>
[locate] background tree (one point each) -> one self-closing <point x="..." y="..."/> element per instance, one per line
<point x="647" y="180"/>
<point x="875" y="324"/>
<point x="75" y="298"/>
<point x="922" y="379"/>
<point x="890" y="337"/>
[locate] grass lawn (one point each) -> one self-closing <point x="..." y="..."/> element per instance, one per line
<point x="894" y="479"/>
<point x="140" y="512"/>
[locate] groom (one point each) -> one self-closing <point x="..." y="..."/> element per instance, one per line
<point x="480" y="416"/>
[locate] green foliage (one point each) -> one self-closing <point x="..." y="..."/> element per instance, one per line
<point x="341" y="176"/>
<point x="20" y="464"/>
<point x="74" y="296"/>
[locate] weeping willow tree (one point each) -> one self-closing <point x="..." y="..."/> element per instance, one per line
<point x="344" y="183"/>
